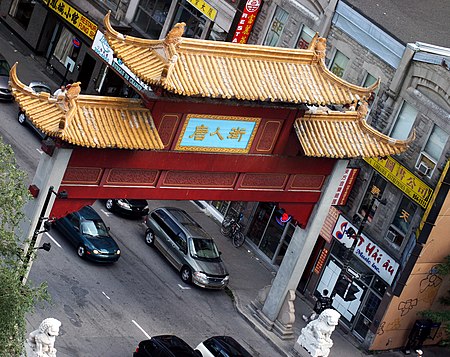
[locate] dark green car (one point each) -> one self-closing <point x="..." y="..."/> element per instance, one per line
<point x="88" y="233"/>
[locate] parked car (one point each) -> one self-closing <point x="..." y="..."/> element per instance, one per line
<point x="187" y="246"/>
<point x="5" y="90"/>
<point x="165" y="346"/>
<point x="128" y="207"/>
<point x="88" y="233"/>
<point x="219" y="346"/>
<point x="36" y="87"/>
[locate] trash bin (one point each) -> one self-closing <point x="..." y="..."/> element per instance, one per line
<point x="422" y="330"/>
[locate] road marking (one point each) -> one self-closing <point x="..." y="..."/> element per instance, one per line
<point x="106" y="212"/>
<point x="106" y="295"/>
<point x="184" y="287"/>
<point x="53" y="239"/>
<point x="39" y="151"/>
<point x="140" y="328"/>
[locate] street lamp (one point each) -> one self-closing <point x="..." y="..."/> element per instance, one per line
<point x="37" y="231"/>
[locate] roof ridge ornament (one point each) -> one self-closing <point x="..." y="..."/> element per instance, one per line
<point x="174" y="37"/>
<point x="68" y="103"/>
<point x="319" y="46"/>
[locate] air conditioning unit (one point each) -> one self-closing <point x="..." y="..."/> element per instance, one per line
<point x="423" y="168"/>
<point x="390" y="236"/>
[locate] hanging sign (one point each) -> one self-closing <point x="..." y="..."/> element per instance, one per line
<point x="204" y="8"/>
<point x="101" y="47"/>
<point x="367" y="251"/>
<point x="76" y="42"/>
<point x="246" y="21"/>
<point x="345" y="187"/>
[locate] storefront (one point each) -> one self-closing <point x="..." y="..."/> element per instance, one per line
<point x="267" y="228"/>
<point x="358" y="280"/>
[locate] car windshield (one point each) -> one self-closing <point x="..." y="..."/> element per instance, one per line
<point x="39" y="89"/>
<point x="94" y="228"/>
<point x="204" y="248"/>
<point x="4" y="68"/>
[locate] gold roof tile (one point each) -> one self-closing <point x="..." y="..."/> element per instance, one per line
<point x="215" y="69"/>
<point x="89" y="121"/>
<point x="344" y="135"/>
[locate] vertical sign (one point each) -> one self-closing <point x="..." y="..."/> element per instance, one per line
<point x="321" y="261"/>
<point x="345" y="186"/>
<point x="246" y="21"/>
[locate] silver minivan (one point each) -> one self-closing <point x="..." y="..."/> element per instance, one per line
<point x="187" y="246"/>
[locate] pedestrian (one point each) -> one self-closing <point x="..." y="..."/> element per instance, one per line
<point x="61" y="91"/>
<point x="323" y="302"/>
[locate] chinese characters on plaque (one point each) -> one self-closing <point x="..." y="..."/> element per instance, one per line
<point x="217" y="134"/>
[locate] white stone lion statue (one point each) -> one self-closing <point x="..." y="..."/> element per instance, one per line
<point x="42" y="340"/>
<point x="316" y="336"/>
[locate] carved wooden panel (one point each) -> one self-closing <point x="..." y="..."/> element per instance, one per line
<point x="82" y="175"/>
<point x="137" y="177"/>
<point x="306" y="182"/>
<point x="199" y="179"/>
<point x="269" y="136"/>
<point x="266" y="181"/>
<point x="167" y="128"/>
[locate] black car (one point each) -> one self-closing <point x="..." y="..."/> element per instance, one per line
<point x="88" y="233"/>
<point x="128" y="207"/>
<point x="5" y="90"/>
<point x="36" y="87"/>
<point x="218" y="346"/>
<point x="165" y="346"/>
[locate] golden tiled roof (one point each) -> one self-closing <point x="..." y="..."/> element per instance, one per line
<point x="214" y="69"/>
<point x="89" y="121"/>
<point x="344" y="135"/>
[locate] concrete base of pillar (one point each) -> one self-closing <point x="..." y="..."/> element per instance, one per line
<point x="285" y="332"/>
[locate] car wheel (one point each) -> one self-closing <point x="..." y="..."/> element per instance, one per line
<point x="21" y="118"/>
<point x="81" y="251"/>
<point x="150" y="237"/>
<point x="186" y="275"/>
<point x="109" y="205"/>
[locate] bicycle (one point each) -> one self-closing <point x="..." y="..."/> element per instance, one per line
<point x="232" y="228"/>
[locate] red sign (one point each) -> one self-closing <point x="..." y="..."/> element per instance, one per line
<point x="247" y="21"/>
<point x="345" y="186"/>
<point x="321" y="261"/>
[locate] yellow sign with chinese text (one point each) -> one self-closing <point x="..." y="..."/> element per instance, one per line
<point x="204" y="8"/>
<point x="74" y="17"/>
<point x="404" y="179"/>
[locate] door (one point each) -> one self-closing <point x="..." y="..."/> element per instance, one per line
<point x="84" y="76"/>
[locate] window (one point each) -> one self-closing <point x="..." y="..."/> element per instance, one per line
<point x="379" y="184"/>
<point x="276" y="27"/>
<point x="195" y="21"/>
<point x="368" y="81"/>
<point x="21" y="11"/>
<point x="432" y="151"/>
<point x="404" y="215"/>
<point x="64" y="48"/>
<point x="404" y="122"/>
<point x="306" y="35"/>
<point x="339" y="63"/>
<point x="436" y="143"/>
<point x="151" y="15"/>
